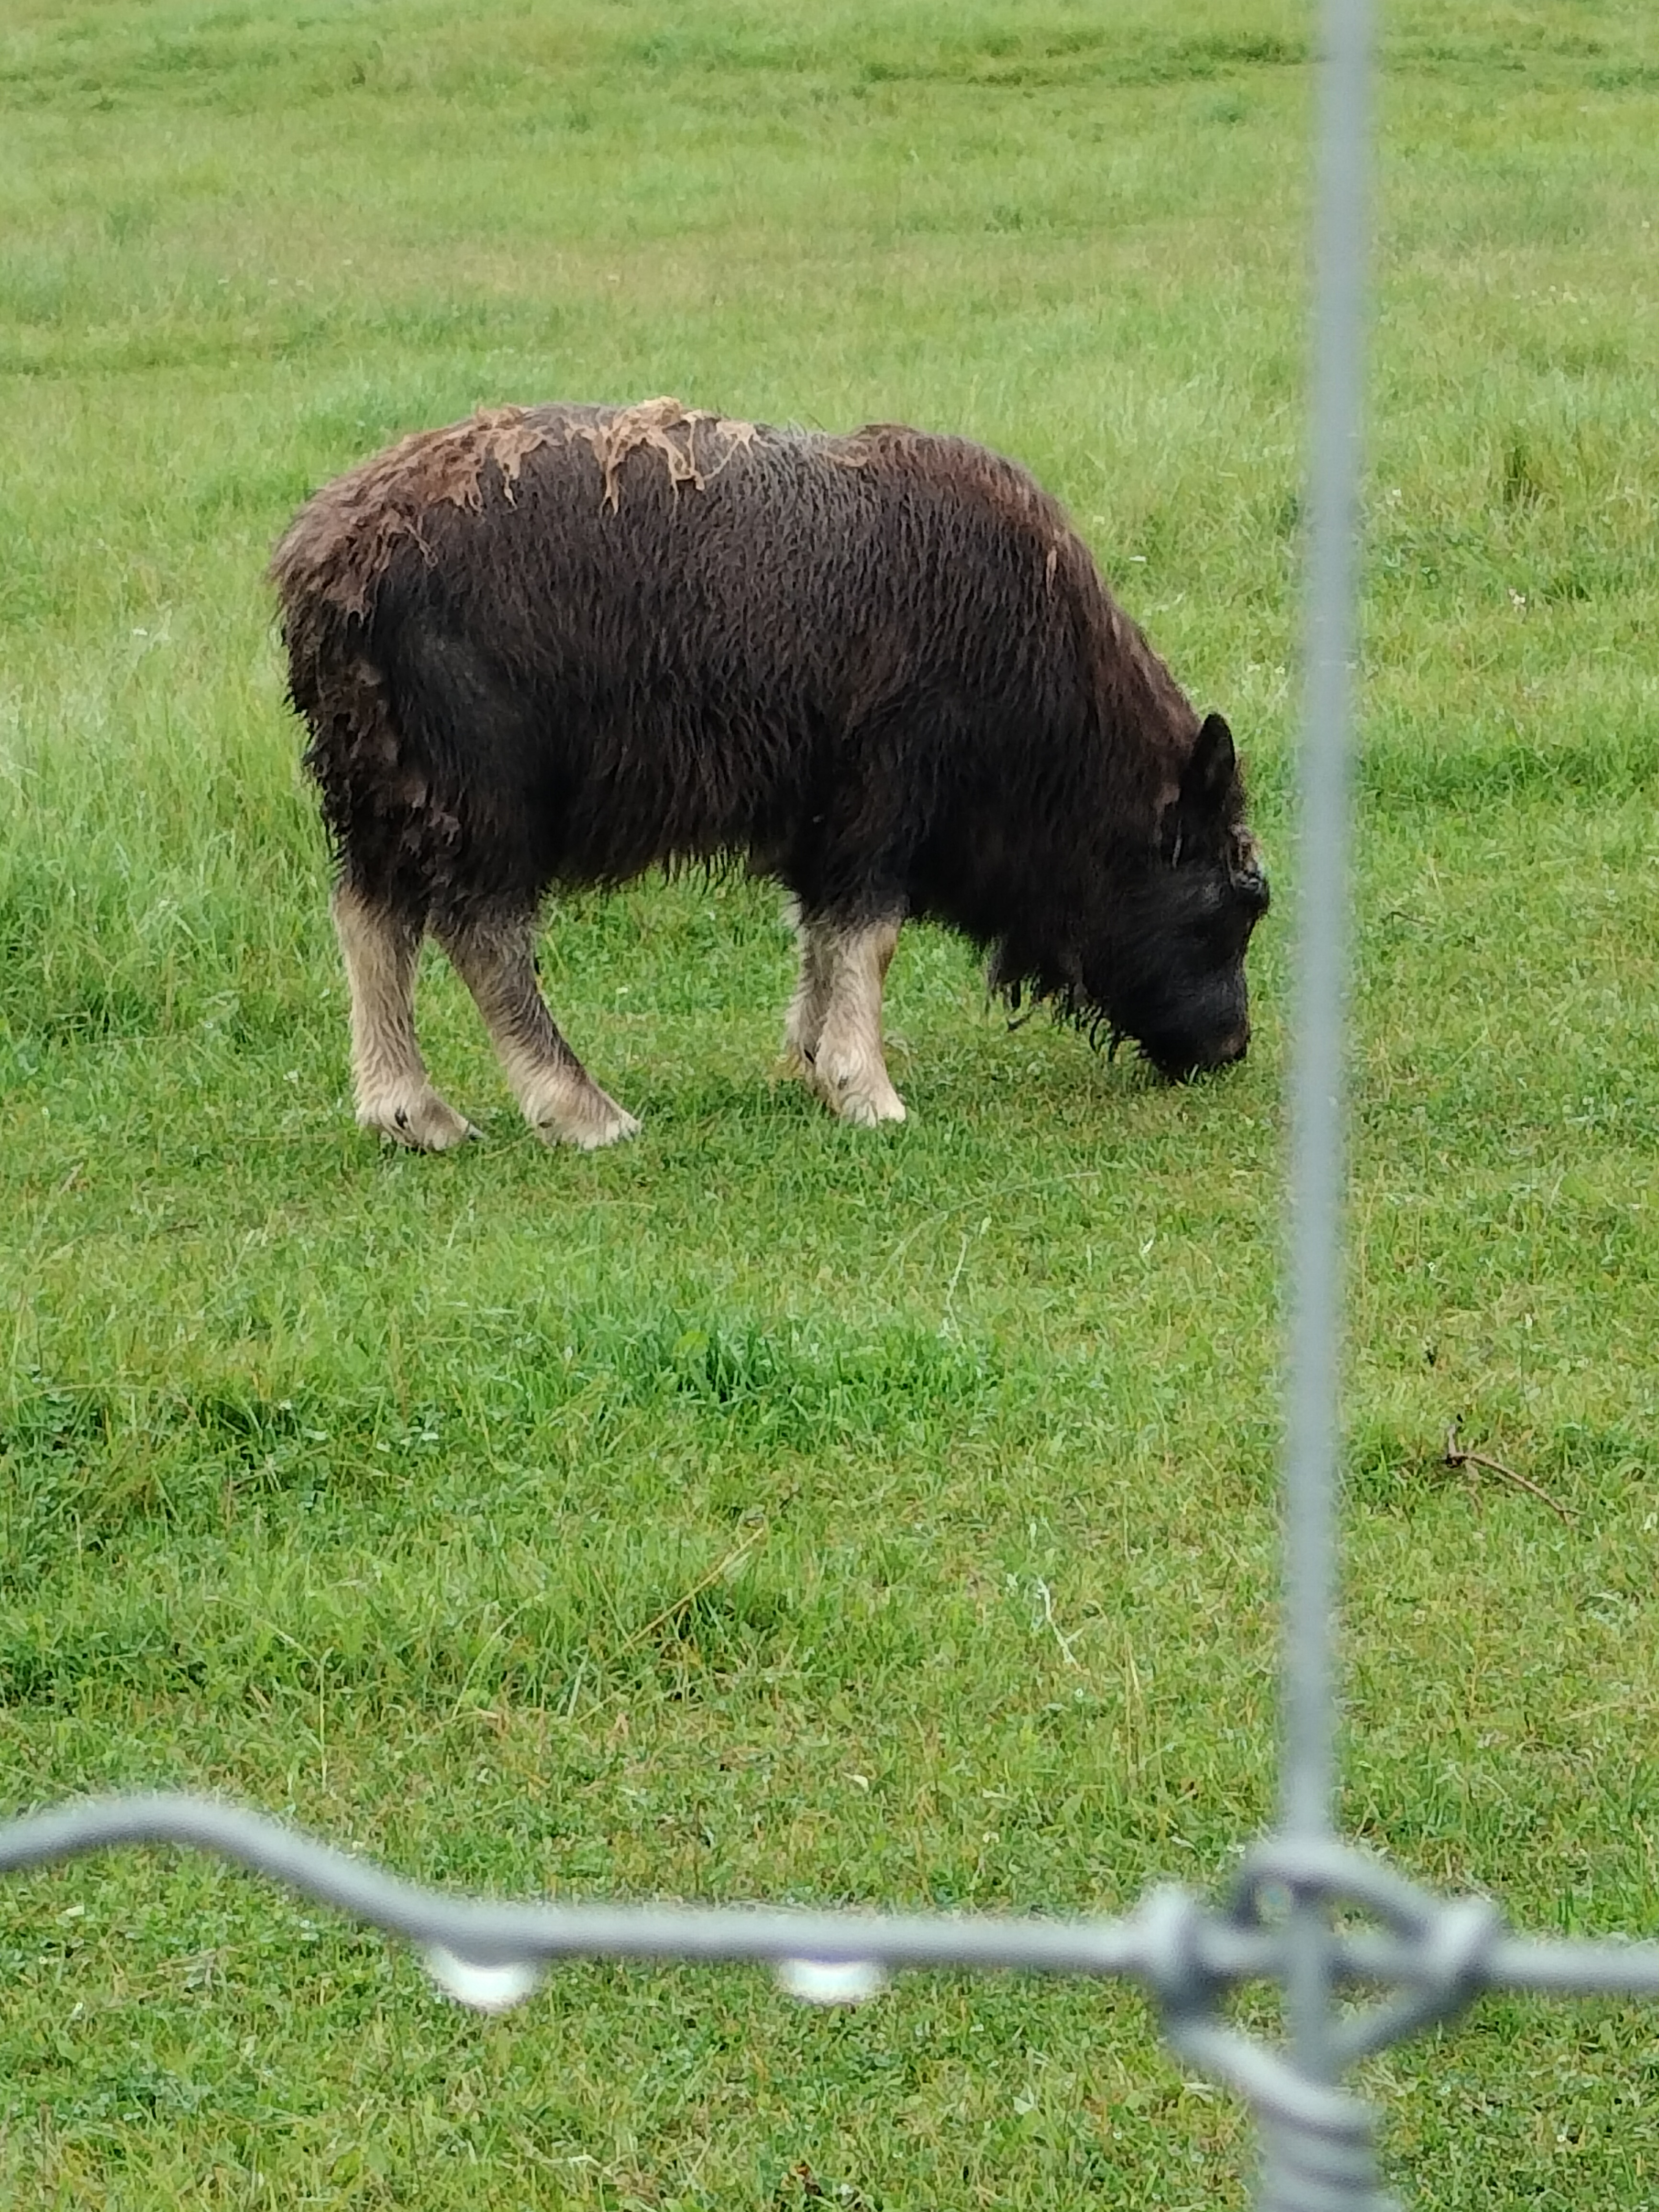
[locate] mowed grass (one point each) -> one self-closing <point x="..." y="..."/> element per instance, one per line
<point x="769" y="1510"/>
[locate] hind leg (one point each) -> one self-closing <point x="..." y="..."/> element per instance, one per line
<point x="559" y="1098"/>
<point x="393" y="1091"/>
<point x="835" y="1022"/>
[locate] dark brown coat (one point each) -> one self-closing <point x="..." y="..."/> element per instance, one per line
<point x="563" y="645"/>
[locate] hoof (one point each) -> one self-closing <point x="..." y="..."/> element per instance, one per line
<point x="421" y="1121"/>
<point x="589" y="1123"/>
<point x="865" y="1110"/>
<point x="857" y="1093"/>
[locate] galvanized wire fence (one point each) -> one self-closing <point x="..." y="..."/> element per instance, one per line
<point x="1323" y="1922"/>
<point x="1426" y="1958"/>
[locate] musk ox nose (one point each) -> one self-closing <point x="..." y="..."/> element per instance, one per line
<point x="1234" y="1046"/>
<point x="1185" y="1066"/>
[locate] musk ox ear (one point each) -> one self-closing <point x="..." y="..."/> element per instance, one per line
<point x="1207" y="781"/>
<point x="1207" y="798"/>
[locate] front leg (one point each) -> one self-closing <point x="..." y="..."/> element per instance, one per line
<point x="803" y="1024"/>
<point x="843" y="968"/>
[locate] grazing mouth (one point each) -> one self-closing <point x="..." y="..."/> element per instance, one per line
<point x="1187" y="1068"/>
<point x="1085" y="1011"/>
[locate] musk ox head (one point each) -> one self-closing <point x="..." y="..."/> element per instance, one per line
<point x="1169" y="970"/>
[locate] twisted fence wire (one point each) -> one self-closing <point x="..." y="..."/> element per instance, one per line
<point x="1429" y="1957"/>
<point x="1291" y="1917"/>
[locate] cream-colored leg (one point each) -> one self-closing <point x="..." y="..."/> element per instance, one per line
<point x="803" y="1024"/>
<point x="393" y="1092"/>
<point x="842" y="971"/>
<point x="559" y="1098"/>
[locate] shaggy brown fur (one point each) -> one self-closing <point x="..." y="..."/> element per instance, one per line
<point x="562" y="645"/>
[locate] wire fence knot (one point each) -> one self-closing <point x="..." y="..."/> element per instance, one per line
<point x="1431" y="1960"/>
<point x="1436" y="1956"/>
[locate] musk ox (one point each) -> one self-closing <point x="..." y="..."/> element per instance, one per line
<point x="560" y="646"/>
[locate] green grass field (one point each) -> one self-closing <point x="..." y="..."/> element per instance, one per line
<point x="767" y="1509"/>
